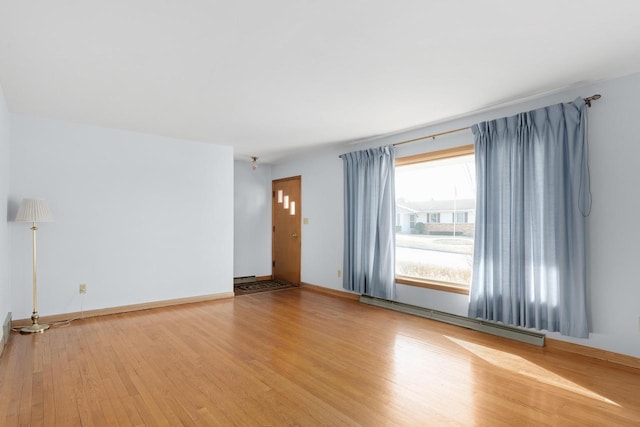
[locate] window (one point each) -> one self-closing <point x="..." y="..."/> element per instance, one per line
<point x="461" y="217"/>
<point x="439" y="187"/>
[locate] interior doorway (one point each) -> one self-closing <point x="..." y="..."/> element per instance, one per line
<point x="286" y="207"/>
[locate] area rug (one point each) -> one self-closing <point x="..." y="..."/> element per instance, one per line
<point x="261" y="286"/>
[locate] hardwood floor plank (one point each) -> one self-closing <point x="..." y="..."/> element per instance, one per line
<point x="300" y="357"/>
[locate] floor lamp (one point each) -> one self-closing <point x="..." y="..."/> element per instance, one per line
<point x="34" y="210"/>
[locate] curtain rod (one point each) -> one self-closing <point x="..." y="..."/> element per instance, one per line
<point x="587" y="101"/>
<point x="434" y="136"/>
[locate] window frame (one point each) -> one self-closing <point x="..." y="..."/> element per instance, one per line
<point x="422" y="158"/>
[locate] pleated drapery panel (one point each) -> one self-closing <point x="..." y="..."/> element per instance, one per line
<point x="369" y="222"/>
<point x="529" y="265"/>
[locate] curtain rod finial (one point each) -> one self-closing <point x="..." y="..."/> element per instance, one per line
<point x="588" y="99"/>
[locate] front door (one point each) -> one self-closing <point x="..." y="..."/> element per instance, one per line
<point x="286" y="239"/>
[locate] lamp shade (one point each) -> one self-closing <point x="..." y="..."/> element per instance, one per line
<point x="34" y="210"/>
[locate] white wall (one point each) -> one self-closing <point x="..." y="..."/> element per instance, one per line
<point x="613" y="237"/>
<point x="139" y="218"/>
<point x="252" y="220"/>
<point x="322" y="204"/>
<point x="5" y="290"/>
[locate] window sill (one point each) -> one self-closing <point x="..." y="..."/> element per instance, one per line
<point x="432" y="284"/>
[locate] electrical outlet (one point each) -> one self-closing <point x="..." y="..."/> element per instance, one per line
<point x="339" y="273"/>
<point x="83" y="288"/>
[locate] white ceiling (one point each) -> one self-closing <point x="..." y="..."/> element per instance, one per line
<point x="273" y="77"/>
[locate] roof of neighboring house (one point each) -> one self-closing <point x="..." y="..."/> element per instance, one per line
<point x="436" y="205"/>
<point x="404" y="209"/>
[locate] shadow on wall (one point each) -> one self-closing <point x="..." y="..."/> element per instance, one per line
<point x="12" y="209"/>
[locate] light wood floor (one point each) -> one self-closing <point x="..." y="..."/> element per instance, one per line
<point x="298" y="357"/>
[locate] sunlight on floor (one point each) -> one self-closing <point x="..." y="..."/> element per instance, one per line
<point x="526" y="368"/>
<point x="425" y="372"/>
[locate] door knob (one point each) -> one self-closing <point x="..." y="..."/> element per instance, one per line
<point x="294" y="235"/>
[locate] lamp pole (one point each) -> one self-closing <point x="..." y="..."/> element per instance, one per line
<point x="35" y="326"/>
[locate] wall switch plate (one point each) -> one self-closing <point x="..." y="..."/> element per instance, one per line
<point x="83" y="288"/>
<point x="339" y="273"/>
<point x="305" y="221"/>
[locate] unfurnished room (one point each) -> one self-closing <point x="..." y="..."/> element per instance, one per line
<point x="297" y="213"/>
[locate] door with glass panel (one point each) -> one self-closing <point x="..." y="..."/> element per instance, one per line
<point x="286" y="230"/>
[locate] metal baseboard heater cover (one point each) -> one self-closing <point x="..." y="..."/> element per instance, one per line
<point x="485" y="326"/>
<point x="6" y="333"/>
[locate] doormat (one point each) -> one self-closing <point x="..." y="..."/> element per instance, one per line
<point x="261" y="286"/>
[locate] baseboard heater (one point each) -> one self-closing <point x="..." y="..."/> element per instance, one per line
<point x="485" y="326"/>
<point x="6" y="333"/>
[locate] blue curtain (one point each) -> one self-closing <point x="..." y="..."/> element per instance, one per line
<point x="529" y="266"/>
<point x="369" y="222"/>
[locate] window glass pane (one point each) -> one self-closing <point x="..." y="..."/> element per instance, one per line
<point x="435" y="202"/>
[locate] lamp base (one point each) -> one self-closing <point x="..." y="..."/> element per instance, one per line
<point x="36" y="328"/>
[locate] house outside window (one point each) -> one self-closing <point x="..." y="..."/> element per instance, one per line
<point x="461" y="217"/>
<point x="436" y="190"/>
